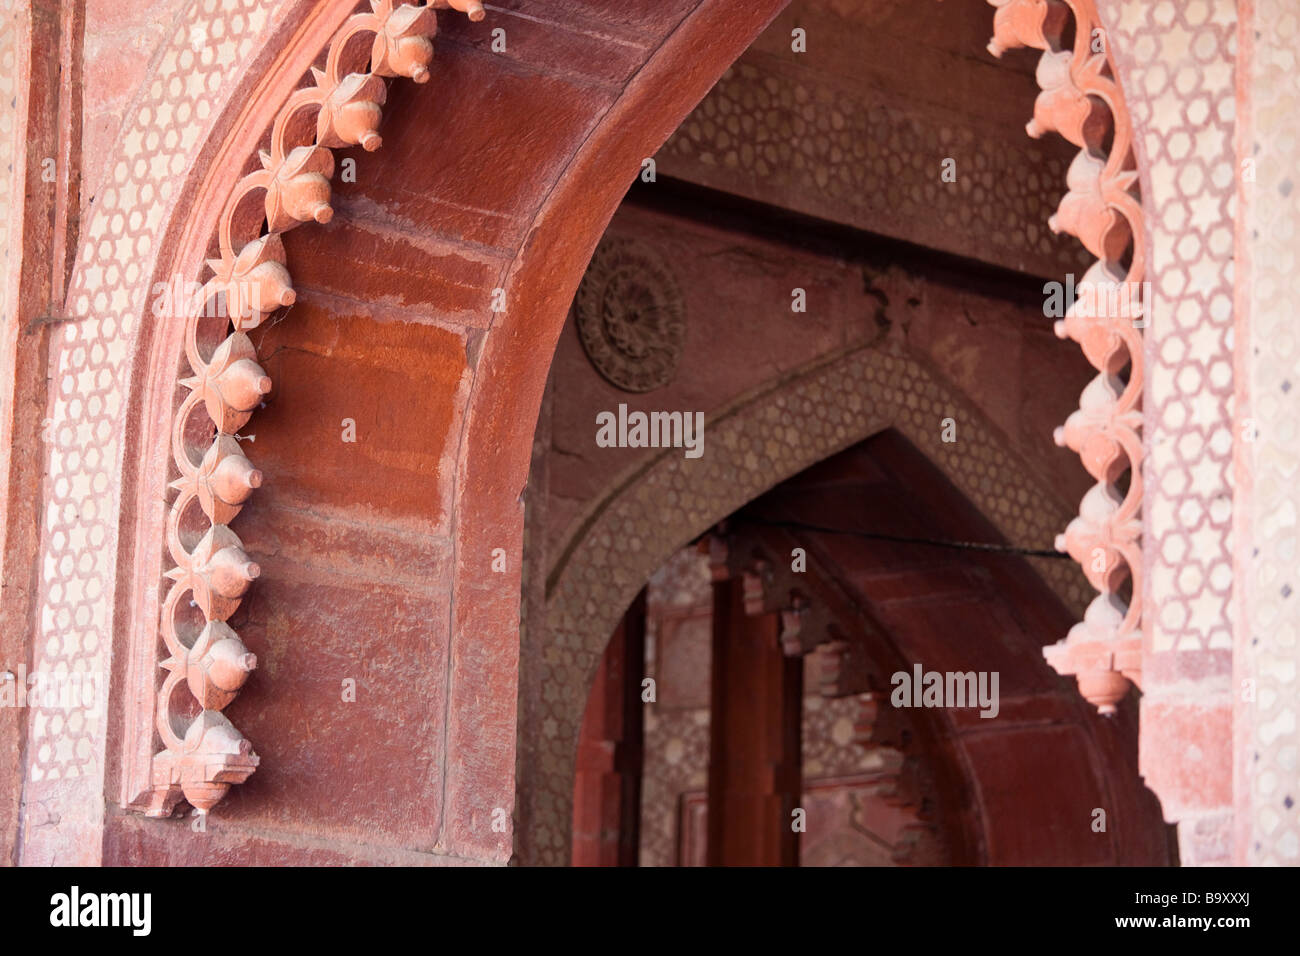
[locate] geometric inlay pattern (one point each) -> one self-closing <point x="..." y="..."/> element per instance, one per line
<point x="1271" y="589"/>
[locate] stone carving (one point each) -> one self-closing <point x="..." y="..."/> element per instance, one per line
<point x="814" y="613"/>
<point x="766" y="590"/>
<point x="1081" y="100"/>
<point x="842" y="668"/>
<point x="907" y="783"/>
<point x="204" y="755"/>
<point x="630" y="316"/>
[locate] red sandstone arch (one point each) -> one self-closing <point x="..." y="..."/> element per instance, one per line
<point x="563" y="198"/>
<point x="565" y="211"/>
<point x="544" y="277"/>
<point x="1046" y="737"/>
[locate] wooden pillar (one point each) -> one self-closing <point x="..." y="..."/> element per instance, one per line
<point x="607" y="783"/>
<point x="754" y="746"/>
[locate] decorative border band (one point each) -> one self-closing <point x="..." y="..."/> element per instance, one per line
<point x="205" y="754"/>
<point x="1081" y="100"/>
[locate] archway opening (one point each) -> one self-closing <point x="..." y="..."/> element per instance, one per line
<point x="532" y="233"/>
<point x="782" y="230"/>
<point x="848" y="671"/>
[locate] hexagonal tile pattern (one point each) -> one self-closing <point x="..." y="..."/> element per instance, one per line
<point x="1176" y="63"/>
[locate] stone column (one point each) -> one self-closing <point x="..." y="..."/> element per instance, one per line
<point x="754" y="746"/>
<point x="607" y="784"/>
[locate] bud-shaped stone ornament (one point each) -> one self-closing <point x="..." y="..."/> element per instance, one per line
<point x="226" y="480"/>
<point x="1103" y="688"/>
<point x="1084" y="213"/>
<point x="255" y="282"/>
<point x="231" y="572"/>
<point x="300" y="189"/>
<point x="402" y="46"/>
<point x="218" y="665"/>
<point x="351" y="112"/>
<point x="220" y="573"/>
<point x="1105" y="662"/>
<point x="1064" y="108"/>
<point x="1091" y="539"/>
<point x="1091" y="430"/>
<point x="215" y="755"/>
<point x="1026" y="23"/>
<point x="1096" y="331"/>
<point x="471" y="8"/>
<point x="242" y="384"/>
<point x="233" y="384"/>
<point x="213" y="733"/>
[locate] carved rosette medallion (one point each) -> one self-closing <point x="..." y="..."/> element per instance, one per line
<point x="630" y="316"/>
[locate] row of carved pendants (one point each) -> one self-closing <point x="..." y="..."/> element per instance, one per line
<point x="1080" y="100"/>
<point x="250" y="281"/>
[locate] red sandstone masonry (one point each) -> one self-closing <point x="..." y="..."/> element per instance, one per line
<point x="133" y="528"/>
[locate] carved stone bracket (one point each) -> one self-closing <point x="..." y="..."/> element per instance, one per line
<point x="907" y="782"/>
<point x="818" y="620"/>
<point x="843" y="669"/>
<point x="1081" y="101"/>
<point x="205" y="754"/>
<point x="773" y="587"/>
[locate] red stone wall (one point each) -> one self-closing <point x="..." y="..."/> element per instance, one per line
<point x="984" y="333"/>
